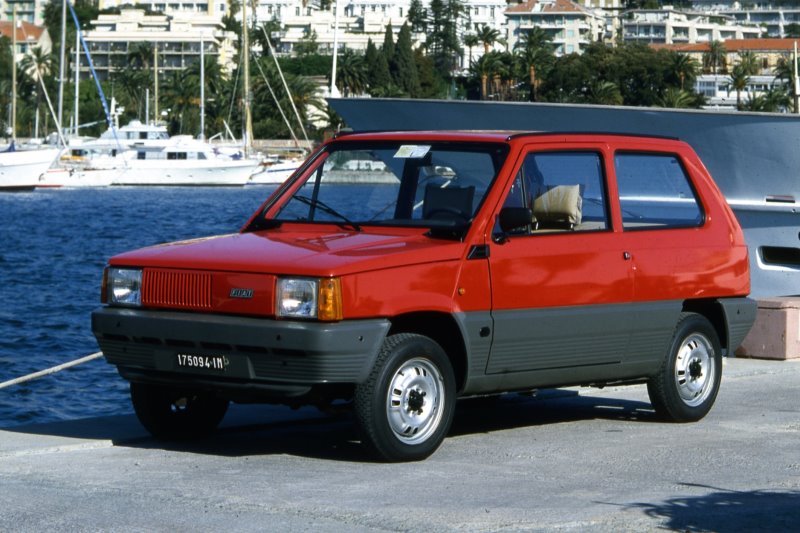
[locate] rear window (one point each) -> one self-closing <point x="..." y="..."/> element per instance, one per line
<point x="655" y="192"/>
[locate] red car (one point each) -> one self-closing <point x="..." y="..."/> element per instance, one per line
<point x="401" y="271"/>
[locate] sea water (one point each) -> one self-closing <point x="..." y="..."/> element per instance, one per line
<point x="53" y="247"/>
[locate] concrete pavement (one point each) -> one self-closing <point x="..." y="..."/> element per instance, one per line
<point x="568" y="460"/>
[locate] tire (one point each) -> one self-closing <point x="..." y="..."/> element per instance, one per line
<point x="686" y="385"/>
<point x="174" y="414"/>
<point x="405" y="407"/>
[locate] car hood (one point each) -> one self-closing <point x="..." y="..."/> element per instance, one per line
<point x="305" y="251"/>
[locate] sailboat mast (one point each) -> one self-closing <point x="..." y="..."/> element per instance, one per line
<point x="248" y="119"/>
<point x="202" y="90"/>
<point x="14" y="73"/>
<point x="77" y="77"/>
<point x="155" y="83"/>
<point x="62" y="61"/>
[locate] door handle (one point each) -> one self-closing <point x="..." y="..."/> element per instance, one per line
<point x="626" y="256"/>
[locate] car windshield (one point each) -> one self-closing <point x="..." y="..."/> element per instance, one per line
<point x="438" y="184"/>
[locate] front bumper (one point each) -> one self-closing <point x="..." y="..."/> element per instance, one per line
<point x="147" y="345"/>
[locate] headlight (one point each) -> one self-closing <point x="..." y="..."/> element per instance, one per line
<point x="124" y="286"/>
<point x="309" y="298"/>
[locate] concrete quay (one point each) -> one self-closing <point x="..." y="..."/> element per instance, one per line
<point x="566" y="460"/>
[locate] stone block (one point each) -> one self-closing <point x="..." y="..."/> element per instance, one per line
<point x="776" y="331"/>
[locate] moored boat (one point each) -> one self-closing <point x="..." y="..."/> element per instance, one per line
<point x="20" y="169"/>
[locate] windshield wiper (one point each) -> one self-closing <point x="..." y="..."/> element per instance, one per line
<point x="328" y="209"/>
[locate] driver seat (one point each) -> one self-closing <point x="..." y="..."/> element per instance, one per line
<point x="447" y="202"/>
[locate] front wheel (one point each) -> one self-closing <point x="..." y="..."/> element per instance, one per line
<point x="174" y="414"/>
<point x="686" y="386"/>
<point x="405" y="408"/>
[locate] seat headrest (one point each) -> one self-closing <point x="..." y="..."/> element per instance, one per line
<point x="559" y="205"/>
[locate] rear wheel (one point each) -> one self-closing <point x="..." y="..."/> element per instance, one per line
<point x="406" y="406"/>
<point x="172" y="414"/>
<point x="686" y="386"/>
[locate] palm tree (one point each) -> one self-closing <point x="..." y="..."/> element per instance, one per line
<point x="604" y="93"/>
<point x="534" y="49"/>
<point x="140" y="55"/>
<point x="749" y="62"/>
<point x="470" y="41"/>
<point x="684" y="68"/>
<point x="715" y="56"/>
<point x="37" y="65"/>
<point x="676" y="98"/>
<point x="738" y="81"/>
<point x="351" y="73"/>
<point x="488" y="36"/>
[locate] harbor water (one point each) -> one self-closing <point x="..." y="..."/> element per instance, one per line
<point x="53" y="247"/>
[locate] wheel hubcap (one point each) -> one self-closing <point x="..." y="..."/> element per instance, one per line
<point x="694" y="369"/>
<point x="414" y="401"/>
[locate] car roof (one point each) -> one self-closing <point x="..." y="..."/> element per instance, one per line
<point x="479" y="135"/>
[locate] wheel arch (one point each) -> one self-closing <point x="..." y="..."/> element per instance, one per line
<point x="442" y="328"/>
<point x="713" y="312"/>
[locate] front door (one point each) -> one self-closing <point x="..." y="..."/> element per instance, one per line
<point x="561" y="285"/>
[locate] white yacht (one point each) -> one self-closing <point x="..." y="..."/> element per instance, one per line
<point x="20" y="168"/>
<point x="181" y="160"/>
<point x="275" y="170"/>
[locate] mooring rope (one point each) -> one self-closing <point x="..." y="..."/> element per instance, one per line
<point x="51" y="370"/>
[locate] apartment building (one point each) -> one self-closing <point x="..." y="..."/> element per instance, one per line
<point x="209" y="7"/>
<point x="768" y="52"/>
<point x="361" y="20"/>
<point x="176" y="36"/>
<point x="669" y="26"/>
<point x="27" y="10"/>
<point x="773" y="18"/>
<point x="570" y="25"/>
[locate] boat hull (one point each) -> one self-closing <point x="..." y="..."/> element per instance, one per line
<point x="185" y="173"/>
<point x="20" y="170"/>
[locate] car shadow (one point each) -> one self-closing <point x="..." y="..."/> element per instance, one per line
<point x="255" y="430"/>
<point x="727" y="511"/>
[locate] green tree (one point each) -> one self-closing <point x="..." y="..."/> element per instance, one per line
<point x="351" y="73"/>
<point x="488" y="36"/>
<point x="684" y="69"/>
<point x="535" y="51"/>
<point x="738" y="81"/>
<point x="307" y="45"/>
<point x="603" y="93"/>
<point x="388" y="44"/>
<point x="417" y="16"/>
<point x="378" y="76"/>
<point x="676" y="98"/>
<point x="470" y="40"/>
<point x="714" y="58"/>
<point x="791" y="31"/>
<point x="403" y="67"/>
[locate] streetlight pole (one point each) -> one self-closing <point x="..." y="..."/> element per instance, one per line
<point x="334" y="89"/>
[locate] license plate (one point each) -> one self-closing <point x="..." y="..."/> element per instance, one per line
<point x="215" y="363"/>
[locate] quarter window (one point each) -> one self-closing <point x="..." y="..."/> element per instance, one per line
<point x="654" y="192"/>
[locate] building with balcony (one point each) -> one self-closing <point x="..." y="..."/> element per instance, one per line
<point x="362" y="20"/>
<point x="668" y="26"/>
<point x="216" y="8"/>
<point x="177" y="38"/>
<point x="571" y="26"/>
<point x="773" y="18"/>
<point x="27" y="10"/>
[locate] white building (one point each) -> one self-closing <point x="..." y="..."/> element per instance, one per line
<point x="571" y="26"/>
<point x="720" y="94"/>
<point x="27" y="10"/>
<point x="217" y="8"/>
<point x="668" y="26"/>
<point x="176" y="36"/>
<point x="361" y="20"/>
<point x="29" y="36"/>
<point x="771" y="17"/>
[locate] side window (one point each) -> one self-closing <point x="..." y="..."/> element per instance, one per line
<point x="654" y="192"/>
<point x="564" y="190"/>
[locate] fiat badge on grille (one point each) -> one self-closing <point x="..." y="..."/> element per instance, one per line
<point x="241" y="293"/>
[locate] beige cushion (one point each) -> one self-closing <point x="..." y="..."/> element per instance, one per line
<point x="560" y="205"/>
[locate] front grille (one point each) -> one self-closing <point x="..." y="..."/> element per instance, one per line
<point x="176" y="289"/>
